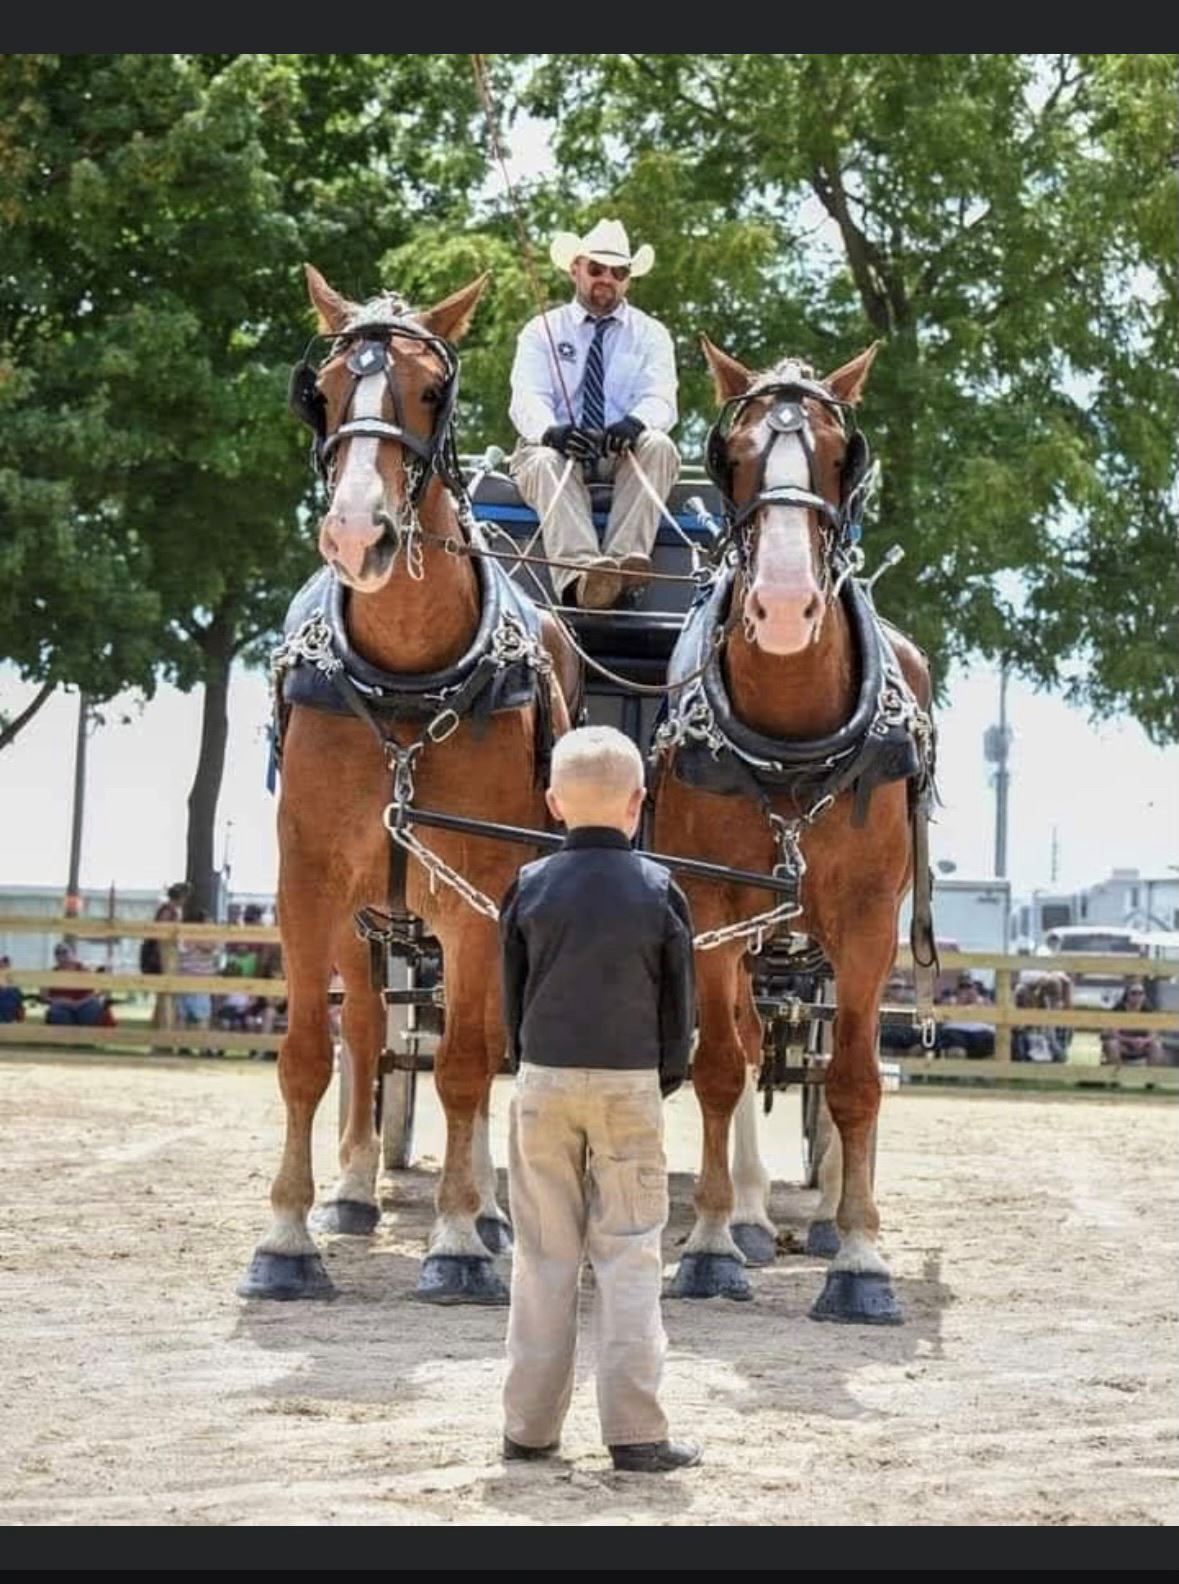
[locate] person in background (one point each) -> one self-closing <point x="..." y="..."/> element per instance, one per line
<point x="12" y="1001"/>
<point x="1130" y="1046"/>
<point x="961" y="1036"/>
<point x="198" y="958"/>
<point x="74" y="1006"/>
<point x="159" y="956"/>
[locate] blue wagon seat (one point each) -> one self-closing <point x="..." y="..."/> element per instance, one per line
<point x="636" y="641"/>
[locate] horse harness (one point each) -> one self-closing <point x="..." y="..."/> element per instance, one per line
<point x="369" y="341"/>
<point x="889" y="737"/>
<point x="506" y="666"/>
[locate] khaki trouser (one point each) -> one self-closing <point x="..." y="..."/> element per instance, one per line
<point x="569" y="533"/>
<point x="586" y="1174"/>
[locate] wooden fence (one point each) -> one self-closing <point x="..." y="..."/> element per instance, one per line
<point x="1003" y="1013"/>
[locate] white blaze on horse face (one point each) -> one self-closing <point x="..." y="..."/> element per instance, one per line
<point x="785" y="602"/>
<point x="354" y="521"/>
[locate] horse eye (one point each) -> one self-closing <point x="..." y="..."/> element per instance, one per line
<point x="432" y="396"/>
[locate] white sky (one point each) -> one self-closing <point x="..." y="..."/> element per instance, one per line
<point x="1111" y="795"/>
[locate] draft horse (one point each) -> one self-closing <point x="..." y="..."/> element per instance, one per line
<point x="806" y="747"/>
<point x="410" y="668"/>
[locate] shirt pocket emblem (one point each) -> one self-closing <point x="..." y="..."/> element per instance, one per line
<point x="567" y="351"/>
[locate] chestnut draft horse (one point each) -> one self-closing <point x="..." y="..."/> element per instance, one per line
<point x="407" y="671"/>
<point x="806" y="746"/>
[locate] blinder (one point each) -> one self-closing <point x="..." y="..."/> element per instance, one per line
<point x="788" y="417"/>
<point x="368" y="354"/>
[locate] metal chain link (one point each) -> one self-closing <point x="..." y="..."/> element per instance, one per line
<point x="791" y="865"/>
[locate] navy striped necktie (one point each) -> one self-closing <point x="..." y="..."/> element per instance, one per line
<point x="593" y="389"/>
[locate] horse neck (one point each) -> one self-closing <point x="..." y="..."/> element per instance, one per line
<point x="806" y="695"/>
<point x="426" y="623"/>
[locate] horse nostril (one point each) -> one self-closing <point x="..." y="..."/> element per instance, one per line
<point x="759" y="610"/>
<point x="812" y="608"/>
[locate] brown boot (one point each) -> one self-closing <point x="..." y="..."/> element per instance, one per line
<point x="599" y="585"/>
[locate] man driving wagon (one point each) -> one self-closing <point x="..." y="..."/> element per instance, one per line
<point x="593" y="399"/>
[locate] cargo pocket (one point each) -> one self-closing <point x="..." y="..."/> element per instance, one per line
<point x="631" y="1198"/>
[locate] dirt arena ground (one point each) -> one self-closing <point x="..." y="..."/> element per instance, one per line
<point x="1033" y="1241"/>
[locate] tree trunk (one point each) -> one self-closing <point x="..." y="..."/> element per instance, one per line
<point x="206" y="786"/>
<point x="22" y="720"/>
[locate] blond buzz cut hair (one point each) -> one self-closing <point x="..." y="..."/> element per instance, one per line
<point x="600" y="758"/>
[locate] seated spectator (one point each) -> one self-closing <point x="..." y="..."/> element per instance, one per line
<point x="961" y="1036"/>
<point x="198" y="958"/>
<point x="895" y="1035"/>
<point x="232" y="1011"/>
<point x="1046" y="991"/>
<point x="1129" y="1046"/>
<point x="12" y="1002"/>
<point x="78" y="1007"/>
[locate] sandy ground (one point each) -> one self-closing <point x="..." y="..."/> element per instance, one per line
<point x="1033" y="1241"/>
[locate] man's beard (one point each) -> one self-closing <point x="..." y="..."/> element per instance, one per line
<point x="601" y="303"/>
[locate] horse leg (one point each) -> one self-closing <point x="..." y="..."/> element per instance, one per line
<point x="351" y="1206"/>
<point x="822" y="1237"/>
<point x="458" y="1267"/>
<point x="493" y="1226"/>
<point x="752" y="1230"/>
<point x="286" y="1262"/>
<point x="859" y="1285"/>
<point x="712" y="1265"/>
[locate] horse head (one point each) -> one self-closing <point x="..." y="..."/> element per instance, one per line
<point x="791" y="467"/>
<point x="381" y="405"/>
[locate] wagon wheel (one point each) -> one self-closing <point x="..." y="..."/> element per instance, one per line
<point x="395" y="1093"/>
<point x="397" y="1090"/>
<point x="817" y="1126"/>
<point x="816" y="1119"/>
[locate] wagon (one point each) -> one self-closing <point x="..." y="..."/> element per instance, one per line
<point x="792" y="982"/>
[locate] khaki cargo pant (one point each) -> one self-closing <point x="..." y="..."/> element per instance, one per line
<point x="569" y="533"/>
<point x="586" y="1175"/>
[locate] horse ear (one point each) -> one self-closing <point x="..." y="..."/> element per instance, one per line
<point x="729" y="378"/>
<point x="848" y="382"/>
<point x="451" y="318"/>
<point x="333" y="311"/>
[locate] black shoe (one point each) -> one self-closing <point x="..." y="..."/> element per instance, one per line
<point x="514" y="1452"/>
<point x="655" y="1457"/>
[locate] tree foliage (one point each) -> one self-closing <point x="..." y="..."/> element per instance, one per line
<point x="1006" y="224"/>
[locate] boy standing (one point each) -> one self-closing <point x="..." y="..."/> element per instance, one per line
<point x="599" y="999"/>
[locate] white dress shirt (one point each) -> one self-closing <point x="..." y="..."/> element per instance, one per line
<point x="638" y="369"/>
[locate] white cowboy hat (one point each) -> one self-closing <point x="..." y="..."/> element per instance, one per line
<point x="607" y="243"/>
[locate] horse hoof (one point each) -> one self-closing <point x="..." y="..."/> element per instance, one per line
<point x="758" y="1246"/>
<point x="352" y="1217"/>
<point x="286" y="1276"/>
<point x="857" y="1298"/>
<point x="495" y="1232"/>
<point x="711" y="1276"/>
<point x="460" y="1279"/>
<point x="822" y="1239"/>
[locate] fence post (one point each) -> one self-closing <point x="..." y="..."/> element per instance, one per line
<point x="1004" y="1005"/>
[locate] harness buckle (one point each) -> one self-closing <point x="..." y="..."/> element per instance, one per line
<point x="444" y="725"/>
<point x="928" y="1026"/>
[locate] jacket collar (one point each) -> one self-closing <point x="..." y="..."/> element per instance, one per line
<point x="596" y="836"/>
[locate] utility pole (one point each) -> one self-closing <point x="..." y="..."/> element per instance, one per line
<point x="997" y="749"/>
<point x="73" y="900"/>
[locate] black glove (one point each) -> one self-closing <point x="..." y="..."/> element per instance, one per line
<point x="669" y="1084"/>
<point x="622" y="435"/>
<point x="569" y="440"/>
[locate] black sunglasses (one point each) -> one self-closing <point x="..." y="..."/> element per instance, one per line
<point x="620" y="272"/>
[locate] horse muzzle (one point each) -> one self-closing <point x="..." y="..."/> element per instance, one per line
<point x="782" y="621"/>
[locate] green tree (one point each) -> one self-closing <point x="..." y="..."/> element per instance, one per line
<point x="1006" y="224"/>
<point x="163" y="206"/>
